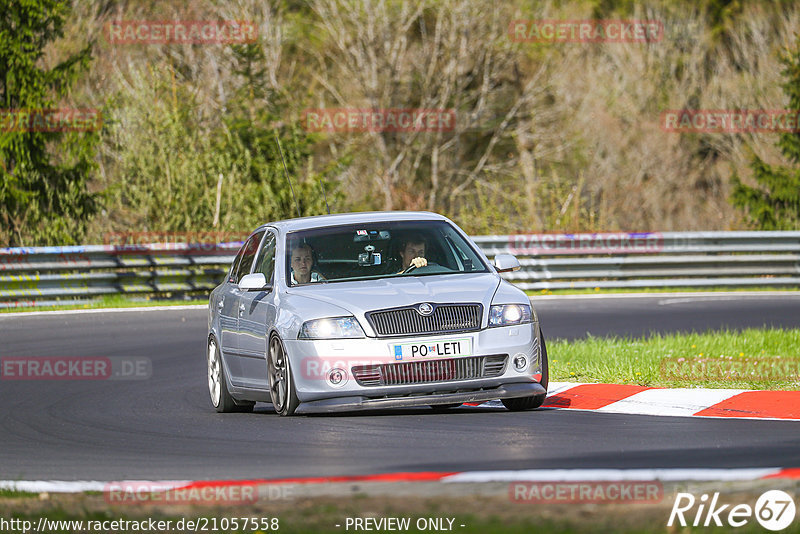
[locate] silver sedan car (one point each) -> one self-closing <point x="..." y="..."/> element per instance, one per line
<point x="371" y="310"/>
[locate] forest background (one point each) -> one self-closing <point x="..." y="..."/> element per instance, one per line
<point x="548" y="137"/>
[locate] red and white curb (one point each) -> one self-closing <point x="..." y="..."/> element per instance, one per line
<point x="525" y="475"/>
<point x="693" y="402"/>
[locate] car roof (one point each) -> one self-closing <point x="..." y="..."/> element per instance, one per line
<point x="317" y="221"/>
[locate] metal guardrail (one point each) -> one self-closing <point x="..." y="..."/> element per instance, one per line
<point x="43" y="276"/>
<point x="650" y="259"/>
<point x="37" y="276"/>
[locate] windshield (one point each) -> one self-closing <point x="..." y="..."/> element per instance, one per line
<point x="378" y="250"/>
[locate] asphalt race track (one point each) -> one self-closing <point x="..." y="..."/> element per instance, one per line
<point x="640" y="315"/>
<point x="164" y="427"/>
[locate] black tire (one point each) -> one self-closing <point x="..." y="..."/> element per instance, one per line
<point x="530" y="403"/>
<point x="279" y="375"/>
<point x="441" y="408"/>
<point x="221" y="399"/>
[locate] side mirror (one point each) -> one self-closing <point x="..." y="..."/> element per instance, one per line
<point x="253" y="282"/>
<point x="505" y="263"/>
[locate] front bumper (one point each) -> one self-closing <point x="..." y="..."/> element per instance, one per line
<point x="312" y="361"/>
<point x="342" y="404"/>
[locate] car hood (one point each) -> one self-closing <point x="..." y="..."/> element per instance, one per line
<point x="360" y="297"/>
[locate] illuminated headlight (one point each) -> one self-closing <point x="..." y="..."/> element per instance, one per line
<point x="509" y="314"/>
<point x="331" y="328"/>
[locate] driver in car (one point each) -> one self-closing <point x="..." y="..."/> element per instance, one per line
<point x="302" y="260"/>
<point x="412" y="252"/>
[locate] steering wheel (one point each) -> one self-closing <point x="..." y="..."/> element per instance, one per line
<point x="412" y="266"/>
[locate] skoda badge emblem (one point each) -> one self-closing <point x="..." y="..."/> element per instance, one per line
<point x="425" y="309"/>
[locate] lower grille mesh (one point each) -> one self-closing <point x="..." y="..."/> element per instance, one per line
<point x="430" y="371"/>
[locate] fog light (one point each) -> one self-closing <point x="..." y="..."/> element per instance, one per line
<point x="337" y="377"/>
<point x="520" y="362"/>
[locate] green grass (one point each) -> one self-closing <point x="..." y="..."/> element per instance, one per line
<point x="16" y="494"/>
<point x="750" y="359"/>
<point x="309" y="515"/>
<point x="114" y="301"/>
<point x="603" y="291"/>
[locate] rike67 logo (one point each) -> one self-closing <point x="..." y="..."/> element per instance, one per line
<point x="774" y="510"/>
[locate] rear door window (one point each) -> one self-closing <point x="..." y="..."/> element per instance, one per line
<point x="266" y="258"/>
<point x="248" y="254"/>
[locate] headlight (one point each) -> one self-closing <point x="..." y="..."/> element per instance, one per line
<point x="509" y="314"/>
<point x="331" y="328"/>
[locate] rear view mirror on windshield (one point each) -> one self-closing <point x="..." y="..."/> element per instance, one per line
<point x="369" y="257"/>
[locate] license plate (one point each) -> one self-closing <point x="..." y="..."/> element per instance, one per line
<point x="433" y="349"/>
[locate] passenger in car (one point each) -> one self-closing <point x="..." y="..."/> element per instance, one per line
<point x="412" y="252"/>
<point x="302" y="260"/>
